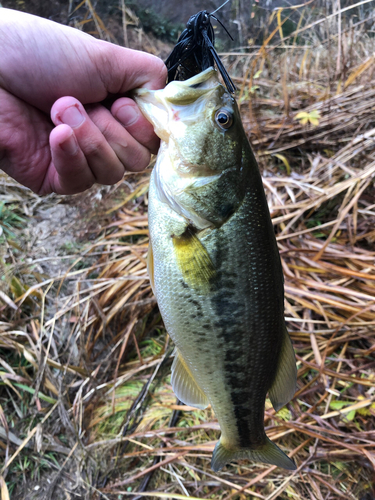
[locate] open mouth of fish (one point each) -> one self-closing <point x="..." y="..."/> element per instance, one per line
<point x="182" y="101"/>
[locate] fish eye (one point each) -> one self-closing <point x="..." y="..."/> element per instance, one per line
<point x="224" y="118"/>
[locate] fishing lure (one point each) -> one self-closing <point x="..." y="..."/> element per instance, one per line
<point x="195" y="50"/>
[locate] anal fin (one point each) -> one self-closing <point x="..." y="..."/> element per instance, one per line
<point x="184" y="385"/>
<point x="284" y="385"/>
<point x="150" y="265"/>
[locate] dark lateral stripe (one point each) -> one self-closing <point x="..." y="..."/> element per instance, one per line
<point x="249" y="321"/>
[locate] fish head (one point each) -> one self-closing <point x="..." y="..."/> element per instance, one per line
<point x="200" y="122"/>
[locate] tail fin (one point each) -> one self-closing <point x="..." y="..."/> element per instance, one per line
<point x="269" y="453"/>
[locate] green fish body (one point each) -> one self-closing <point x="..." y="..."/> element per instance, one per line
<point x="215" y="267"/>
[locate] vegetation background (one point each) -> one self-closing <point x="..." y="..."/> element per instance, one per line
<point x="86" y="407"/>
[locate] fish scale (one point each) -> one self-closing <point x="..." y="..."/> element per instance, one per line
<point x="239" y="319"/>
<point x="215" y="267"/>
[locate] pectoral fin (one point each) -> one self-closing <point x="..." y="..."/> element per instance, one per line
<point x="284" y="385"/>
<point x="150" y="266"/>
<point x="193" y="260"/>
<point x="184" y="385"/>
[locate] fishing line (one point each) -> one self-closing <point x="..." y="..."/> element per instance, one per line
<point x="221" y="6"/>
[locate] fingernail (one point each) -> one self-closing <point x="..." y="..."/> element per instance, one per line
<point x="70" y="145"/>
<point x="72" y="116"/>
<point x="127" y="115"/>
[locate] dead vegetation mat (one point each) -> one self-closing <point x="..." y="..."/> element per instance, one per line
<point x="87" y="410"/>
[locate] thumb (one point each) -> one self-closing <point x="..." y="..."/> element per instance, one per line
<point x="123" y="69"/>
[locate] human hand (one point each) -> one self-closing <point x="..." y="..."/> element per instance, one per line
<point x="41" y="63"/>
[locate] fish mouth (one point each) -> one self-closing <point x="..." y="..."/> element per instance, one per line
<point x="183" y="92"/>
<point x="189" y="91"/>
<point x="187" y="99"/>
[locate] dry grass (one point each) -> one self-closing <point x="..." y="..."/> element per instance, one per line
<point x="85" y="394"/>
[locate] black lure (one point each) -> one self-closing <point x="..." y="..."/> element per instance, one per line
<point x="195" y="51"/>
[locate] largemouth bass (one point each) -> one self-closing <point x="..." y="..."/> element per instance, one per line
<point x="214" y="266"/>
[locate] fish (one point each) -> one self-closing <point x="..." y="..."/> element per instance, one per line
<point x="215" y="268"/>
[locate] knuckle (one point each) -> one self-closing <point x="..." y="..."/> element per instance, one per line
<point x="117" y="176"/>
<point x="80" y="188"/>
<point x="106" y="128"/>
<point x="95" y="112"/>
<point x="94" y="149"/>
<point x="109" y="172"/>
<point x="139" y="160"/>
<point x="100" y="119"/>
